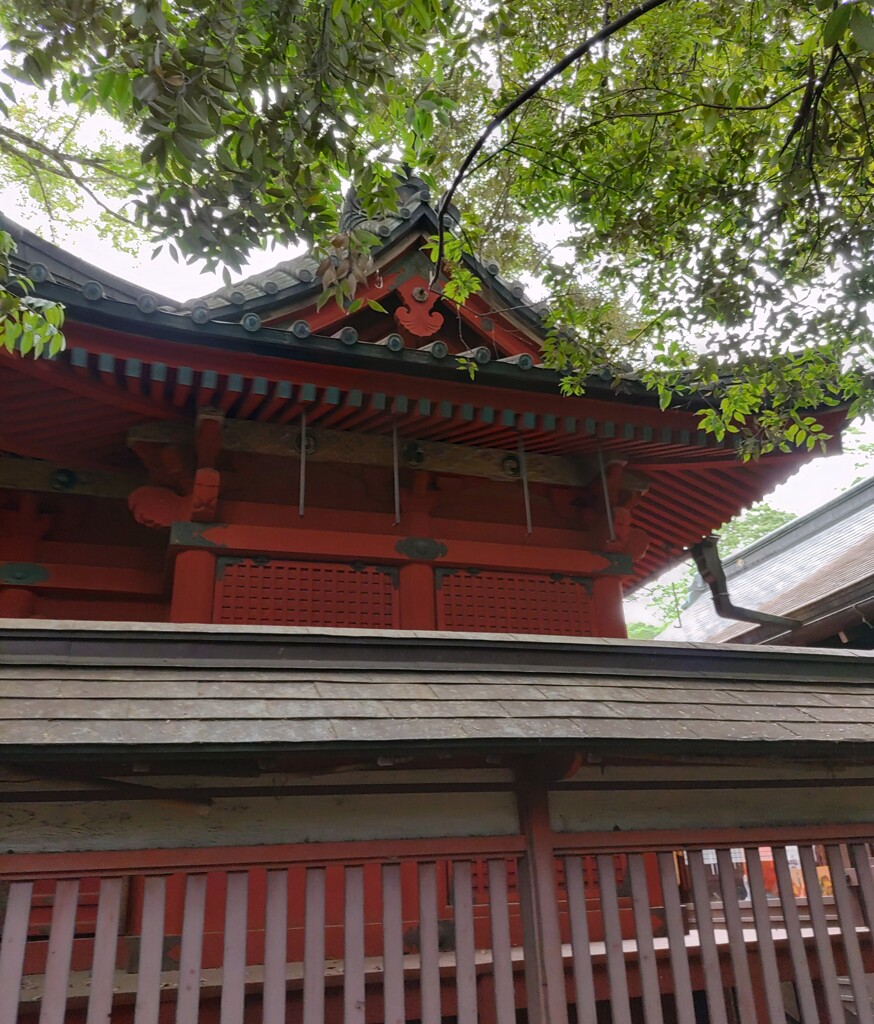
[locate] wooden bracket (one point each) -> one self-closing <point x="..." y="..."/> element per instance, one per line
<point x="417" y="314"/>
<point x="208" y="437"/>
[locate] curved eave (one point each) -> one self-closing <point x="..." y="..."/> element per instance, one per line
<point x="224" y="336"/>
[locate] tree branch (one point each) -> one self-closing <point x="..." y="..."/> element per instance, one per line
<point x="533" y="89"/>
<point x="63" y="171"/>
<point x="60" y="156"/>
<point x="862" y="107"/>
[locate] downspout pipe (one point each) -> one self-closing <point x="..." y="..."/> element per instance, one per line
<point x="709" y="565"/>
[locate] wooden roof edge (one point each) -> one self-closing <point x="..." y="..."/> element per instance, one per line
<point x="34" y="251"/>
<point x="72" y="643"/>
<point x="834" y="751"/>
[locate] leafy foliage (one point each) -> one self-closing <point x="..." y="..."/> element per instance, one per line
<point x="27" y="323"/>
<point x="74" y="169"/>
<point x="250" y="115"/>
<point x="714" y="164"/>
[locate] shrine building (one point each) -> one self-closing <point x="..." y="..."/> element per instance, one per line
<point x="316" y="702"/>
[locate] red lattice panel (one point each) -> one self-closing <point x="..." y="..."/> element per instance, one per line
<point x="284" y="593"/>
<point x="491" y="602"/>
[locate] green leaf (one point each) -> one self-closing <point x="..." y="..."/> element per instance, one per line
<point x="836" y="25"/>
<point x="862" y="29"/>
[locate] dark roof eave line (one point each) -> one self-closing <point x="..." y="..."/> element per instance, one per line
<point x="272" y="342"/>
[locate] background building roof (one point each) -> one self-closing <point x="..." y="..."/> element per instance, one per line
<point x="815" y="569"/>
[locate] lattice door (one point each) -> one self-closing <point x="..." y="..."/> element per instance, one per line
<point x="493" y="602"/>
<point x="285" y="593"/>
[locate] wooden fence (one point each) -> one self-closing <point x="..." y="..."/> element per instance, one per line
<point x="653" y="928"/>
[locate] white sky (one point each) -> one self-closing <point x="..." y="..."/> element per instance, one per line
<point x="161" y="275"/>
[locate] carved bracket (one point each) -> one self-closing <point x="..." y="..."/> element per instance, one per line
<point x="159" y="507"/>
<point x="417" y="314"/>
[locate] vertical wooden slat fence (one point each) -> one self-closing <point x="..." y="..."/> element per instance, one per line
<point x="191" y="950"/>
<point x="148" y="1002"/>
<point x="764" y="935"/>
<point x="707" y="939"/>
<point x="429" y="944"/>
<point x="60" y="952"/>
<point x="12" y="949"/>
<point x="105" y="942"/>
<point x="800" y="966"/>
<point x="275" y="947"/>
<point x="314" y="948"/>
<point x="751" y="926"/>
<point x="676" y="929"/>
<point x="584" y="978"/>
<point x="646" y="957"/>
<point x="653" y="929"/>
<point x="465" y="946"/>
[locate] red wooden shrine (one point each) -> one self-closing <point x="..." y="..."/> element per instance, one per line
<point x="255" y="460"/>
<point x="252" y="458"/>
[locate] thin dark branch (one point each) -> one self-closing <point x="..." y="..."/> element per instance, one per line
<point x="862" y="106"/>
<point x="61" y="156"/>
<point x="533" y="89"/>
<point x="814" y="109"/>
<point x="571" y="175"/>
<point x="800" y="119"/>
<point x="61" y="170"/>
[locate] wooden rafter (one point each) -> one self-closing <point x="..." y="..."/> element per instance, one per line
<point x="375" y="450"/>
<point x="49" y="477"/>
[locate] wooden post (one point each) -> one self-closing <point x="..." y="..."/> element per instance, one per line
<point x="544" y="967"/>
<point x="417" y="599"/>
<point x="193" y="586"/>
<point x="607" y="601"/>
<point x="17" y="603"/>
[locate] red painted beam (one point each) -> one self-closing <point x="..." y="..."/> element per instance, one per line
<point x="43" y="575"/>
<point x="26" y="866"/>
<point x="267" y="540"/>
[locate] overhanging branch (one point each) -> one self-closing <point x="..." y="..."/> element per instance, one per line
<point x="523" y="97"/>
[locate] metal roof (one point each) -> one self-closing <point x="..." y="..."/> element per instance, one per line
<point x="75" y="686"/>
<point x="792" y="570"/>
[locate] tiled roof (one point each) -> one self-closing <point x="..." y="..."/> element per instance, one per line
<point x="71" y="685"/>
<point x="413" y="197"/>
<point x="43" y="261"/>
<point x="289" y="281"/>
<point x="792" y="570"/>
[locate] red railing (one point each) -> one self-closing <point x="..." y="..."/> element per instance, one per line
<point x="425" y="930"/>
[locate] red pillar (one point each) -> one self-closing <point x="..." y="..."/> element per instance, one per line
<point x="417" y="599"/>
<point x="538" y="896"/>
<point x="17" y="603"/>
<point x="607" y="601"/>
<point x="193" y="586"/>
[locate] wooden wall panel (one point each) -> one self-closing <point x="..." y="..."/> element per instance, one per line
<point x="590" y="810"/>
<point x="119" y="825"/>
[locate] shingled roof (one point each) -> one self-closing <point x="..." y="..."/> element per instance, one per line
<point x="805" y="569"/>
<point x="71" y="686"/>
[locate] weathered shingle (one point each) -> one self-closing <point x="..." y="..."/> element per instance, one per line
<point x="70" y="685"/>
